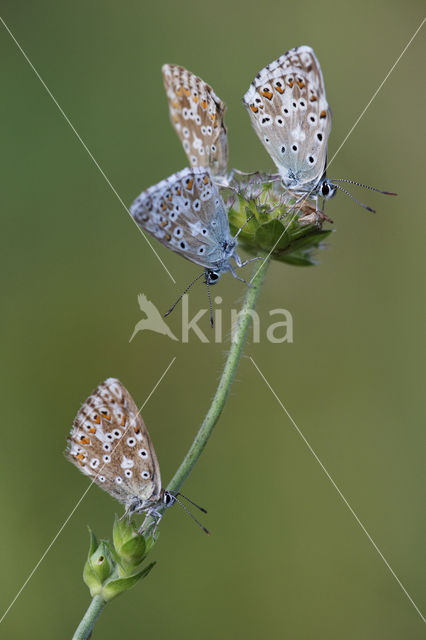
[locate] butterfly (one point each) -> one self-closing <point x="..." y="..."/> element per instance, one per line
<point x="290" y="114"/>
<point x="197" y="115"/>
<point x="110" y="443"/>
<point x="186" y="213"/>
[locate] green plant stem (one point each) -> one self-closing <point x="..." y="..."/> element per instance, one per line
<point x="88" y="621"/>
<point x="226" y="379"/>
<point x="239" y="337"/>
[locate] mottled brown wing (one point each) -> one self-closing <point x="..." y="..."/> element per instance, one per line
<point x="289" y="112"/>
<point x="197" y="116"/>
<point x="110" y="443"/>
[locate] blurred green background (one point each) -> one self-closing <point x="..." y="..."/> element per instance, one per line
<point x="286" y="558"/>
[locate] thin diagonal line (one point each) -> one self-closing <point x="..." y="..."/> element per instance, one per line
<point x="90" y="154"/>
<point x="73" y="510"/>
<point x="346" y="137"/>
<point x="338" y="490"/>
<point x="378" y="89"/>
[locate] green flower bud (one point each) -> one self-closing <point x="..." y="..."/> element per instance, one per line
<point x="99" y="565"/>
<point x="130" y="547"/>
<point x="272" y="225"/>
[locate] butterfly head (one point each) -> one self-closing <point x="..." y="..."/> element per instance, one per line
<point x="212" y="276"/>
<point x="327" y="189"/>
<point x="168" y="498"/>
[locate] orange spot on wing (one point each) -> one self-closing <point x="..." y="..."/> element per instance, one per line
<point x="80" y="456"/>
<point x="179" y="92"/>
<point x="97" y="419"/>
<point x="279" y="89"/>
<point x="162" y="224"/>
<point x="313" y="98"/>
<point x="189" y="184"/>
<point x="123" y="421"/>
<point x="206" y="179"/>
<point x="195" y="99"/>
<point x="137" y="430"/>
<point x="84" y="440"/>
<point x="323" y="114"/>
<point x="290" y="83"/>
<point x="168" y="237"/>
<point x="92" y="430"/>
<point x="253" y="108"/>
<point x="186" y="92"/>
<point x="268" y="94"/>
<point x="301" y="85"/>
<point x="204" y="104"/>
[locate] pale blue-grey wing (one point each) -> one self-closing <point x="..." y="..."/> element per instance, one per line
<point x="197" y="115"/>
<point x="289" y="112"/>
<point x="186" y="214"/>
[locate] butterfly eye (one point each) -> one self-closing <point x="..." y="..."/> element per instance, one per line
<point x="168" y="499"/>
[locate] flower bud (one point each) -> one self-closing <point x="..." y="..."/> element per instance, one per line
<point x="99" y="565"/>
<point x="130" y="547"/>
<point x="272" y="223"/>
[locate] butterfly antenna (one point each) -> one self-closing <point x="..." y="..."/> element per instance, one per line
<point x="365" y="186"/>
<point x="242" y="227"/>
<point x="190" y="514"/>
<point x="210" y="303"/>
<point x="353" y="198"/>
<point x="182" y="294"/>
<point x="192" y="502"/>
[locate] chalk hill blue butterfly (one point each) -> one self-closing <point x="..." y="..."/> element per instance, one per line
<point x="290" y="114"/>
<point x="197" y="115"/>
<point x="110" y="443"/>
<point x="186" y="213"/>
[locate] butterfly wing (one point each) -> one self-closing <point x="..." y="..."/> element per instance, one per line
<point x="110" y="443"/>
<point x="289" y="112"/>
<point x="197" y="116"/>
<point x="186" y="213"/>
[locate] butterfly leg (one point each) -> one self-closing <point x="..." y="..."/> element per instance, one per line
<point x="231" y="269"/>
<point x="156" y="517"/>
<point x="240" y="263"/>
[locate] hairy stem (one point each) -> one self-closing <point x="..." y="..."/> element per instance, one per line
<point x="239" y="336"/>
<point x="88" y="621"/>
<point x="222" y="391"/>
